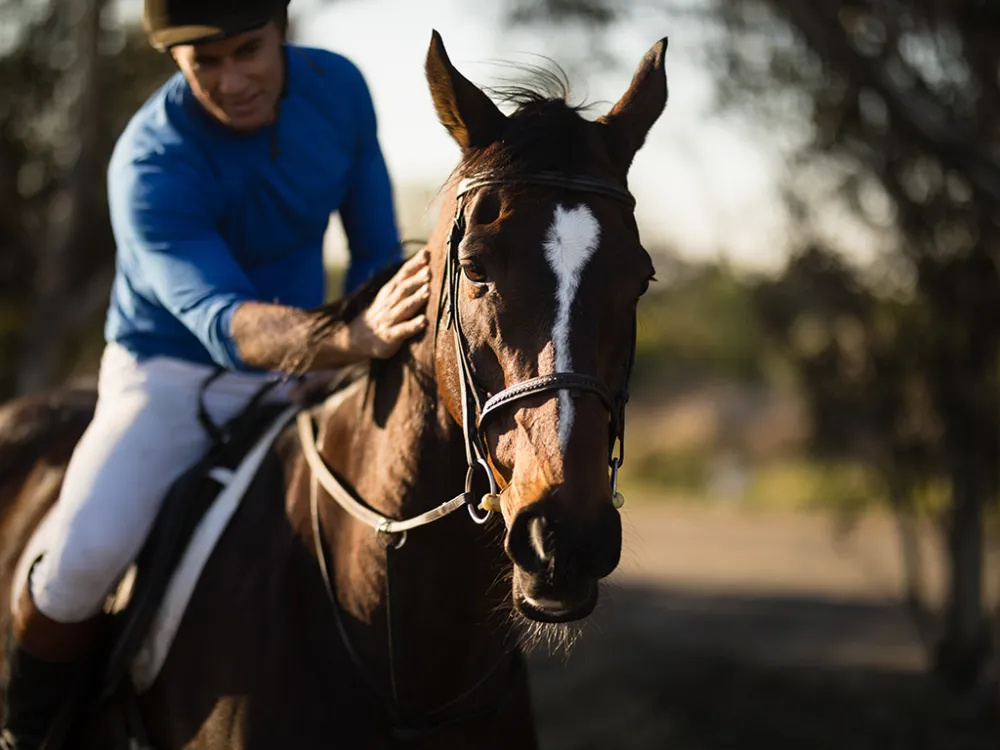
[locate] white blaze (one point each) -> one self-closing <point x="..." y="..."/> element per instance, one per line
<point x="569" y="244"/>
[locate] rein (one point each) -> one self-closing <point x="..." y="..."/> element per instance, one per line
<point x="474" y="402"/>
<point x="402" y="728"/>
<point x="323" y="474"/>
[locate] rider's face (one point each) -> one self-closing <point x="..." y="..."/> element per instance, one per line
<point x="239" y="79"/>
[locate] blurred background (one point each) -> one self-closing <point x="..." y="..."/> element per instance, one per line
<point x="814" y="443"/>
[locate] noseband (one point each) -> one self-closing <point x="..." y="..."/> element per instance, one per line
<point x="473" y="401"/>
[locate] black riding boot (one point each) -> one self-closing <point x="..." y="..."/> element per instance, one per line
<point x="46" y="661"/>
<point x="36" y="692"/>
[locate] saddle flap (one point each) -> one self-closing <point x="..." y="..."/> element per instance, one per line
<point x="190" y="500"/>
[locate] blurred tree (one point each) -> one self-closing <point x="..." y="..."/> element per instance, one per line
<point x="905" y="98"/>
<point x="697" y="324"/>
<point x="903" y="102"/>
<point x="859" y="356"/>
<point x="71" y="77"/>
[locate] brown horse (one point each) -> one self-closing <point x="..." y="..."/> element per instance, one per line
<point x="351" y="641"/>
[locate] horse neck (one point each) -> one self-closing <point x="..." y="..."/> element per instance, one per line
<point x="404" y="455"/>
<point x="405" y="403"/>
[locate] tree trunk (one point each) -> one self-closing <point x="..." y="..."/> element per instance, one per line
<point x="961" y="647"/>
<point x="56" y="314"/>
<point x="965" y="646"/>
<point x="914" y="582"/>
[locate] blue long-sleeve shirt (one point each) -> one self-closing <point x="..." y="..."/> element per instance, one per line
<point x="206" y="218"/>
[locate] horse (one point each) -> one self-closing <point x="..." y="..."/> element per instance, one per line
<point x="345" y="602"/>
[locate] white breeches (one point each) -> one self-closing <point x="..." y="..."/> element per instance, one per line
<point x="144" y="435"/>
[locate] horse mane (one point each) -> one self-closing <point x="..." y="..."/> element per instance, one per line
<point x="544" y="133"/>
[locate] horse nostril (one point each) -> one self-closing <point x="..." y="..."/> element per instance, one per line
<point x="540" y="539"/>
<point x="527" y="541"/>
<point x="541" y="533"/>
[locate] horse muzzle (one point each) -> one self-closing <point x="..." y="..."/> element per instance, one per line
<point x="558" y="559"/>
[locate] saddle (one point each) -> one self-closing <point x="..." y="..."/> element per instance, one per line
<point x="185" y="506"/>
<point x="136" y="606"/>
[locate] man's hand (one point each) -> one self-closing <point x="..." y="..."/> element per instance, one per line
<point x="396" y="314"/>
<point x="276" y="337"/>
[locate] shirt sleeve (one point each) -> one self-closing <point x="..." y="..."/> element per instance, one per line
<point x="368" y="213"/>
<point x="164" y="219"/>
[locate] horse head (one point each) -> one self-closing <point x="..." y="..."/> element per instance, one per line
<point x="536" y="318"/>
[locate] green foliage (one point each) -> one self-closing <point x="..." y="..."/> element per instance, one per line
<point x="700" y="323"/>
<point x="857" y="359"/>
<point x="40" y="157"/>
<point x="841" y="486"/>
<point x="687" y="472"/>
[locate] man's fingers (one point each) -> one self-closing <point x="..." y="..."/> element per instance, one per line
<point x="409" y="306"/>
<point x="419" y="258"/>
<point x="396" y="313"/>
<point x="402" y="331"/>
<point x="412" y="266"/>
<point x="408" y="286"/>
<point x="405" y="281"/>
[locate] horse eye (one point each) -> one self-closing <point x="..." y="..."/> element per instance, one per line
<point x="474" y="271"/>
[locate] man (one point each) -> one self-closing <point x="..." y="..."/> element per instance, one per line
<point x="220" y="190"/>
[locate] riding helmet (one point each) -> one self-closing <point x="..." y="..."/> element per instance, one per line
<point x="172" y="22"/>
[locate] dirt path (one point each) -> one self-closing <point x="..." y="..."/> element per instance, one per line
<point x="830" y="594"/>
<point x="732" y="630"/>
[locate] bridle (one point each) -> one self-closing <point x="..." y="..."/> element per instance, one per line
<point x="474" y="400"/>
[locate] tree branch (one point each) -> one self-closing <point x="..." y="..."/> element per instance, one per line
<point x="924" y="118"/>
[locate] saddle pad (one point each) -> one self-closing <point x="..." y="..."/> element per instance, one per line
<point x="150" y="657"/>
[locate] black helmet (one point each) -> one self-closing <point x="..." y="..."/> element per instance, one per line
<point x="172" y="22"/>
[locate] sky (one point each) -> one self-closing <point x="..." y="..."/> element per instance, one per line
<point x="705" y="186"/>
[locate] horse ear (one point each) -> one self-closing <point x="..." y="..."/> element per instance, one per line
<point x="631" y="118"/>
<point x="473" y="120"/>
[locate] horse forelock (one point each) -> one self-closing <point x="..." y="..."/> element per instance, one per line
<point x="544" y="133"/>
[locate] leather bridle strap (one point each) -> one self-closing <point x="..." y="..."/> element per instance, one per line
<point x="307" y="437"/>
<point x="475" y="447"/>
<point x="546" y="383"/>
<point x="549" y="179"/>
